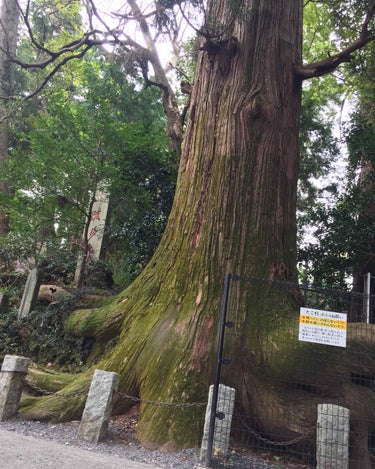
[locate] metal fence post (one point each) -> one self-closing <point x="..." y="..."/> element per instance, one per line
<point x="219" y="361"/>
<point x="224" y="409"/>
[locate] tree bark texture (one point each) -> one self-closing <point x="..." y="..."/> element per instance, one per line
<point x="8" y="43"/>
<point x="234" y="210"/>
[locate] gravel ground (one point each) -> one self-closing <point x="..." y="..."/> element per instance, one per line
<point x="121" y="441"/>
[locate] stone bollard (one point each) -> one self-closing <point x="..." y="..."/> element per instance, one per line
<point x="98" y="408"/>
<point x="225" y="406"/>
<point x="332" y="435"/>
<point x="30" y="294"/>
<point x="13" y="371"/>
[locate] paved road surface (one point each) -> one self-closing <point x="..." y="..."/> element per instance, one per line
<point x="18" y="451"/>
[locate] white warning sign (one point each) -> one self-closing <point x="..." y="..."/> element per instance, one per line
<point x="322" y="327"/>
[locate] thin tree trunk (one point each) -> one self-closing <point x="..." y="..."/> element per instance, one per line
<point x="169" y="100"/>
<point x="366" y="265"/>
<point x="8" y="43"/>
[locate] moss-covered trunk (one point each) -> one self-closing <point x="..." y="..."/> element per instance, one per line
<point x="234" y="210"/>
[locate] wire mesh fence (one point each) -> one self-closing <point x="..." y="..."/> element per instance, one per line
<point x="287" y="350"/>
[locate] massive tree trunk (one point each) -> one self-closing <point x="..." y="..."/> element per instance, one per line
<point x="234" y="210"/>
<point x="8" y="43"/>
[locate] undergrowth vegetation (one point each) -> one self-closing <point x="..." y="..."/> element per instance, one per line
<point x="41" y="336"/>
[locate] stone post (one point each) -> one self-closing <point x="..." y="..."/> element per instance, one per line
<point x="332" y="437"/>
<point x="98" y="408"/>
<point x="30" y="294"/>
<point x="13" y="371"/>
<point x="224" y="412"/>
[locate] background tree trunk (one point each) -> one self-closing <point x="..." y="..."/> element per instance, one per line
<point x="169" y="100"/>
<point x="8" y="43"/>
<point x="234" y="210"/>
<point x="366" y="264"/>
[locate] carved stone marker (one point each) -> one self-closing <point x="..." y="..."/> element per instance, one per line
<point x="96" y="230"/>
<point x="225" y="405"/>
<point x="13" y="371"/>
<point x="4" y="300"/>
<point x="30" y="294"/>
<point x="332" y="434"/>
<point x="98" y="408"/>
<point x="98" y="223"/>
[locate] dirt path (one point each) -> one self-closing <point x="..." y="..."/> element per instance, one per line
<point x="19" y="451"/>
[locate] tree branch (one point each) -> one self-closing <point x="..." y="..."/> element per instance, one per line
<point x="25" y="17"/>
<point x="328" y="65"/>
<point x="85" y="42"/>
<point x="57" y="67"/>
